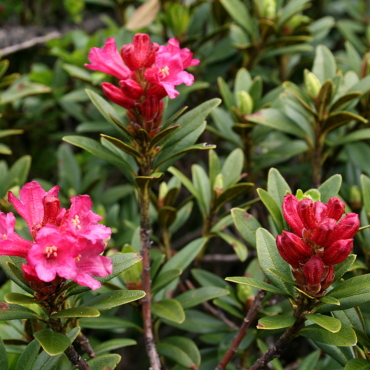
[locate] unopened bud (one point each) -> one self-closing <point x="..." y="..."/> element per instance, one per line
<point x="355" y="197"/>
<point x="244" y="292"/>
<point x="290" y="204"/>
<point x="131" y="88"/>
<point x="313" y="270"/>
<point x="312" y="83"/>
<point x="117" y="96"/>
<point x="268" y="9"/>
<point x="335" y="208"/>
<point x="244" y="102"/>
<point x="347" y="227"/>
<point x="218" y="186"/>
<point x="306" y="214"/>
<point x="337" y="252"/>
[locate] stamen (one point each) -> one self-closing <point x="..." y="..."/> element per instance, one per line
<point x="51" y="251"/>
<point x="5" y="237"/>
<point x="164" y="72"/>
<point x="77" y="259"/>
<point x="76" y="222"/>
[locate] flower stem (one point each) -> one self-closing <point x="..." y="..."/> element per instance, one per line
<point x="145" y="249"/>
<point x="252" y="313"/>
<point x="85" y="345"/>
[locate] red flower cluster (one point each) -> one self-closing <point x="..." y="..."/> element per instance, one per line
<point x="66" y="244"/>
<point x="321" y="239"/>
<point x="147" y="73"/>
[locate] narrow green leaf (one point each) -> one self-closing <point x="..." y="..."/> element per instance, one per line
<point x="327" y="322"/>
<point x="310" y="361"/>
<point x="339" y="354"/>
<point x="275" y="322"/>
<point x="341" y="268"/>
<point x="277" y="187"/>
<point x="107" y="323"/>
<point x="162" y="280"/>
<point x="14" y="273"/>
<point x="155" y="140"/>
<point x="28" y="357"/>
<point x="109" y="300"/>
<point x="329" y="300"/>
<point x="246" y="224"/>
<point x="15" y="312"/>
<point x="269" y="257"/>
<point x="239" y="248"/>
<point x="3" y="356"/>
<point x="53" y="343"/>
<point x="201" y="183"/>
<point x="345" y="99"/>
<point x="351" y="287"/>
<point x="231" y="193"/>
<point x="282" y="276"/>
<point x="232" y="167"/>
<point x="292" y="8"/>
<point x="345" y="337"/>
<point x="195" y="297"/>
<point x="365" y="185"/>
<point x="273" y="208"/>
<point x="169" y="309"/>
<point x="357" y="364"/>
<point x="176" y="354"/>
<point x="77" y="312"/>
<point x="18" y="298"/>
<point x="122" y="146"/>
<point x="256" y="283"/>
<point x="112" y="344"/>
<point x="340" y="118"/>
<point x="357" y="135"/>
<point x="103" y="362"/>
<point x="324" y="66"/>
<point x="330" y="188"/>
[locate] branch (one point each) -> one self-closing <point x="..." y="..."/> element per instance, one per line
<point x="213" y="311"/>
<point x="252" y="313"/>
<point x="85" y="345"/>
<point x="76" y="359"/>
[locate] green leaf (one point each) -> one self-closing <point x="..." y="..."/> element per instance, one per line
<point x="330" y="300"/>
<point x="269" y="257"/>
<point x="310" y="361"/>
<point x="357" y="135"/>
<point x="14" y="273"/>
<point x="3" y="356"/>
<point x="246" y="224"/>
<point x="345" y="337"/>
<point x="185" y="256"/>
<point x="181" y="350"/>
<point x="346" y="98"/>
<point x="341" y="268"/>
<point x="361" y="86"/>
<point x="277" y="187"/>
<point x="77" y="72"/>
<point x="351" y="317"/>
<point x="340" y="118"/>
<point x="232" y="167"/>
<point x="104" y="362"/>
<point x="365" y="185"/>
<point x="195" y="297"/>
<point x="18" y="298"/>
<point x="15" y="312"/>
<point x="112" y="344"/>
<point x="77" y="312"/>
<point x="327" y="322"/>
<point x="275" y="322"/>
<point x="240" y="14"/>
<point x="101" y="152"/>
<point x="351" y="287"/>
<point x="339" y="354"/>
<point x="109" y="300"/>
<point x="282" y="276"/>
<point x="18" y="173"/>
<point x="28" y="357"/>
<point x="324" y="97"/>
<point x="122" y="146"/>
<point x="324" y="66"/>
<point x="53" y="343"/>
<point x="201" y="183"/>
<point x="330" y="188"/>
<point x="107" y="323"/>
<point x="21" y="89"/>
<point x="239" y="248"/>
<point x="292" y="8"/>
<point x="162" y="280"/>
<point x="357" y="364"/>
<point x="273" y="208"/>
<point x="148" y="181"/>
<point x="169" y="309"/>
<point x="256" y="283"/>
<point x="231" y="193"/>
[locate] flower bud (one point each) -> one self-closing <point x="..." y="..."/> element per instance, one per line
<point x="290" y="204"/>
<point x="51" y="209"/>
<point x="347" y="227"/>
<point x="218" y="186"/>
<point x="131" y="88"/>
<point x="268" y="9"/>
<point x="157" y="90"/>
<point x="337" y="252"/>
<point x="320" y="211"/>
<point x="306" y="214"/>
<point x="244" y="102"/>
<point x="329" y="279"/>
<point x="150" y="108"/>
<point x="322" y="234"/>
<point x="293" y="249"/>
<point x="312" y="83"/>
<point x="116" y="95"/>
<point x="313" y="270"/>
<point x="335" y="208"/>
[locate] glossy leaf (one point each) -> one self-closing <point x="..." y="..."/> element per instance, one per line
<point x="292" y="8"/>
<point x="231" y="193"/>
<point x="232" y="167"/>
<point x="201" y="183"/>
<point x="122" y="146"/>
<point x="342" y="268"/>
<point x="239" y="248"/>
<point x="324" y="97"/>
<point x="109" y="300"/>
<point x="330" y="188"/>
<point x="195" y="297"/>
<point x="324" y="66"/>
<point x="169" y="309"/>
<point x="15" y="312"/>
<point x="345" y="99"/>
<point x="330" y="300"/>
<point x="28" y="357"/>
<point x="162" y="280"/>
<point x="103" y="362"/>
<point x="14" y="273"/>
<point x="340" y="118"/>
<point x="357" y="364"/>
<point x="277" y="187"/>
<point x="275" y="322"/>
<point x="345" y="337"/>
<point x="53" y="343"/>
<point x="246" y="224"/>
<point x="107" y="323"/>
<point x="339" y="354"/>
<point x="18" y="298"/>
<point x="269" y="257"/>
<point x="113" y="344"/>
<point x="256" y="283"/>
<point x="310" y="361"/>
<point x="76" y="312"/>
<point x="327" y="322"/>
<point x="239" y="12"/>
<point x="273" y="208"/>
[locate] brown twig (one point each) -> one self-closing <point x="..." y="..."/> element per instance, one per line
<point x="145" y="249"/>
<point x="85" y="345"/>
<point x="289" y="334"/>
<point x="213" y="311"/>
<point x="252" y="313"/>
<point x="76" y="359"/>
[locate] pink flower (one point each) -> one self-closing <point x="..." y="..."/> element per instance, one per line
<point x="11" y="244"/>
<point x="108" y="60"/>
<point x="31" y="205"/>
<point x="52" y="254"/>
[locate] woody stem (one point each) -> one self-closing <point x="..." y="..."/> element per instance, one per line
<point x="145" y="249"/>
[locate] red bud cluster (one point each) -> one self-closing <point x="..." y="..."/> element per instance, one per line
<point x="321" y="239"/>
